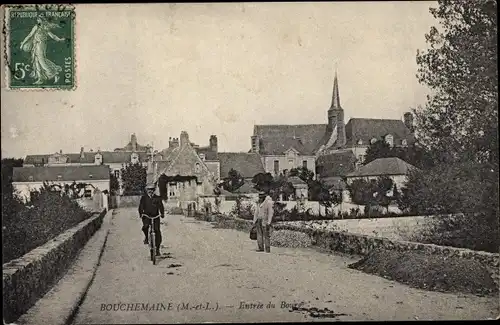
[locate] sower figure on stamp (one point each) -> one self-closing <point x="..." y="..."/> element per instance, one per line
<point x="151" y="205"/>
<point x="262" y="219"/>
<point x="36" y="43"/>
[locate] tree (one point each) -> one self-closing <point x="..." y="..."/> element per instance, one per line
<point x="414" y="154"/>
<point x="134" y="179"/>
<point x="464" y="188"/>
<point x="8" y="165"/>
<point x="383" y="186"/>
<point x="378" y="149"/>
<point x="318" y="191"/>
<point x="303" y="173"/>
<point x="263" y="182"/>
<point x="233" y="181"/>
<point x="460" y="119"/>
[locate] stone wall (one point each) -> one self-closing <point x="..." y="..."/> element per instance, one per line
<point x="28" y="278"/>
<point x="358" y="244"/>
<point x="397" y="228"/>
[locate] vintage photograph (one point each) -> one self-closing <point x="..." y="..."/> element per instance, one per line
<point x="250" y="162"/>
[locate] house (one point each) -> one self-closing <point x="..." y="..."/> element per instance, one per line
<point x="333" y="167"/>
<point x="395" y="168"/>
<point x="301" y="190"/>
<point x="26" y="179"/>
<point x="182" y="174"/>
<point x="115" y="160"/>
<point x="283" y="147"/>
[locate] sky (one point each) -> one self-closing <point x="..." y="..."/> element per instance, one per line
<point x="158" y="69"/>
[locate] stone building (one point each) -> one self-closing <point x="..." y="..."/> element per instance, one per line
<point x="183" y="173"/>
<point x="283" y="147"/>
<point x="26" y="179"/>
<point x="132" y="153"/>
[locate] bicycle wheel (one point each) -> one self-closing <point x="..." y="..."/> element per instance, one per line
<point x="151" y="244"/>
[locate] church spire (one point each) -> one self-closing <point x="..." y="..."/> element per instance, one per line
<point x="335" y="95"/>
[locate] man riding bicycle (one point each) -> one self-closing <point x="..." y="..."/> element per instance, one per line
<point x="152" y="206"/>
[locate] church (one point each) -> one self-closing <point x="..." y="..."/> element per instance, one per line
<point x="330" y="150"/>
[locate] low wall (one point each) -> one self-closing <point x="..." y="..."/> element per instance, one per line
<point x="358" y="244"/>
<point x="397" y="228"/>
<point x="28" y="278"/>
<point x="313" y="206"/>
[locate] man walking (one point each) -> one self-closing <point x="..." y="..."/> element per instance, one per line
<point x="152" y="206"/>
<point x="262" y="220"/>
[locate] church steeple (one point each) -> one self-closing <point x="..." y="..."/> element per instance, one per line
<point x="335" y="95"/>
<point x="336" y="124"/>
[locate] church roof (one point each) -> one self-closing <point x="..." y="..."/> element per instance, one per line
<point x="60" y="173"/>
<point x="276" y="139"/>
<point x="384" y="166"/>
<point x="365" y="129"/>
<point x="336" y="164"/>
<point x="247" y="164"/>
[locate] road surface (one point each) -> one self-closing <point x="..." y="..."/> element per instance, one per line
<point x="215" y="275"/>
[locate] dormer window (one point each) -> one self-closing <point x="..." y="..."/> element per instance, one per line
<point x="98" y="159"/>
<point x="373" y="140"/>
<point x="390" y="140"/>
<point x="404" y="143"/>
<point x="197" y="167"/>
<point x="360" y="141"/>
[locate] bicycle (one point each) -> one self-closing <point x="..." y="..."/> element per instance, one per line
<point x="152" y="239"/>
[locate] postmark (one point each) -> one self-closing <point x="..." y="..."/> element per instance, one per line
<point x="40" y="47"/>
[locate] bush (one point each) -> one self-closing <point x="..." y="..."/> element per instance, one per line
<point x="467" y="189"/>
<point x="27" y="226"/>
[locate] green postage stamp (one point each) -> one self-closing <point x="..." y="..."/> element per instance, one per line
<point x="40" y="47"/>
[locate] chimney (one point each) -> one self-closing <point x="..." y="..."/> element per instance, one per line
<point x="60" y="151"/>
<point x="173" y="142"/>
<point x="82" y="153"/>
<point x="408" y="120"/>
<point x="184" y="138"/>
<point x="133" y="141"/>
<point x="213" y="143"/>
<point x="255" y="144"/>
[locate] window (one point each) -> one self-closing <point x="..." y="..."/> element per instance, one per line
<point x="304" y="164"/>
<point x="98" y="159"/>
<point x="202" y="156"/>
<point x="276" y="167"/>
<point x="290" y="163"/>
<point x="134" y="159"/>
<point x="88" y="193"/>
<point x="389" y="139"/>
<point x="197" y="167"/>
<point x="171" y="189"/>
<point x="404" y="142"/>
<point x="360" y="141"/>
<point x="59" y="177"/>
<point x="117" y="173"/>
<point x="90" y="176"/>
<point x="30" y="178"/>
